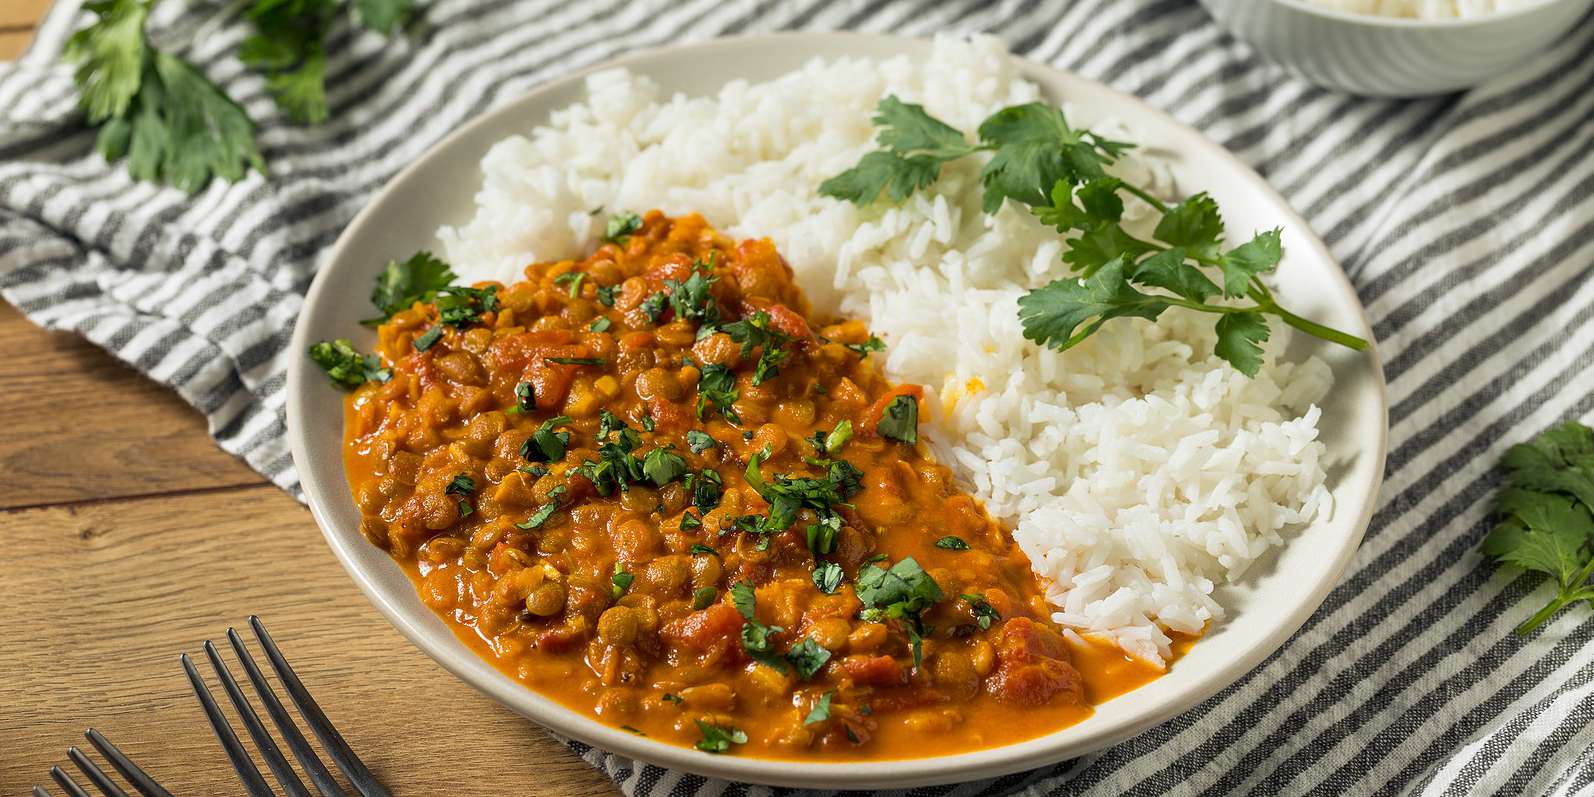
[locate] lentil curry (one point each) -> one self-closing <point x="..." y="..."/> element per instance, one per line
<point x="647" y="486"/>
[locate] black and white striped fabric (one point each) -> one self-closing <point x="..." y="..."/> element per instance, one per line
<point x="1466" y="223"/>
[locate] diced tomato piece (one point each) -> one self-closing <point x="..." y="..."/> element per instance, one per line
<point x="560" y="639"/>
<point x="874" y="670"/>
<point x="701" y="630"/>
<point x="786" y="320"/>
<point x="677" y="267"/>
<point x="1033" y="666"/>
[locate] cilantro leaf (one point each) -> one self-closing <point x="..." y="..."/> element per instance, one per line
<point x="1256" y="256"/>
<point x="744" y="599"/>
<point x="906" y="128"/>
<point x="952" y="542"/>
<point x="621" y="580"/>
<point x="403" y="283"/>
<point x="182" y="130"/>
<point x="289" y="47"/>
<point x="111" y="56"/>
<point x="1051" y="314"/>
<point x="900" y="421"/>
<point x="821" y="710"/>
<point x="544" y="444"/>
<point x="384" y="16"/>
<point x="704" y="597"/>
<point x="1195" y="225"/>
<point x="984" y="613"/>
<point x="716" y="387"/>
<point x="902" y="591"/>
<point x="838" y="437"/>
<point x="699" y="441"/>
<point x="663" y="466"/>
<point x="621" y="226"/>
<point x="1240" y="336"/>
<point x="827" y="577"/>
<point x="1035" y="148"/>
<point x="1546" y="525"/>
<point x="717" y="739"/>
<point x="880" y="171"/>
<point x="757" y="332"/>
<point x="346" y="367"/>
<point x="807" y="658"/>
<point x="863" y="349"/>
<point x="1167" y="270"/>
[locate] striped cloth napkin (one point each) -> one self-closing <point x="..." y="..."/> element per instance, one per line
<point x="1466" y="223"/>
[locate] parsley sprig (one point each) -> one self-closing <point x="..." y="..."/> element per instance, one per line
<point x="1546" y="525"/>
<point x="1039" y="160"/>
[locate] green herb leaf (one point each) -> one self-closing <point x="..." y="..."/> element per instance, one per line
<point x="663" y="466"/>
<point x="384" y="16"/>
<point x="1256" y="256"/>
<point x="607" y="293"/>
<point x="903" y="591"/>
<point x="1240" y="336"/>
<point x="1052" y="314"/>
<point x="546" y="445"/>
<point x="576" y="360"/>
<point x="1194" y="225"/>
<point x="807" y="657"/>
<point x="573" y="279"/>
<point x="952" y="543"/>
<point x="821" y="710"/>
<point x="621" y="226"/>
<point x="880" y="171"/>
<point x="346" y="367"/>
<point x="621" y="580"/>
<point x="838" y="437"/>
<point x="403" y="283"/>
<point x="717" y="739"/>
<point x="704" y="597"/>
<point x="716" y="388"/>
<point x="984" y="612"/>
<point x="863" y="349"/>
<point x="1035" y="148"/>
<point x="599" y="324"/>
<point x="827" y="577"/>
<point x="900" y="421"/>
<point x="110" y="55"/>
<point x="699" y="549"/>
<point x="699" y="441"/>
<point x="429" y="338"/>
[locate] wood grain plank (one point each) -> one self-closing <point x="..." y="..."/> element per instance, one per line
<point x="91" y="428"/>
<point x="13" y="42"/>
<point x="22" y="13"/>
<point x="102" y="598"/>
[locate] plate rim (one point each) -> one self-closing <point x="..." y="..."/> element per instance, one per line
<point x="893" y="773"/>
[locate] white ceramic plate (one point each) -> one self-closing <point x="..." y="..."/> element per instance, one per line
<point x="1280" y="593"/>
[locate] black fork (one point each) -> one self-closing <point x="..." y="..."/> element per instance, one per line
<point x="254" y="782"/>
<point x="121" y="763"/>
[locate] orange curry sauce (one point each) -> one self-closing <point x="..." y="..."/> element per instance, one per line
<point x="612" y="569"/>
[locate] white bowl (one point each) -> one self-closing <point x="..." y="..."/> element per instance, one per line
<point x="1279" y="594"/>
<point x="1389" y="57"/>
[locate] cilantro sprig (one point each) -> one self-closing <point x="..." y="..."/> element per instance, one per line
<point x="1059" y="172"/>
<point x="175" y="126"/>
<point x="1545" y="524"/>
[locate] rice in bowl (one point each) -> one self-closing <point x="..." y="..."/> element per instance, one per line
<point x="1138" y="471"/>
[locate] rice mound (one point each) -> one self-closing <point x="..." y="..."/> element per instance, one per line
<point x="1138" y="471"/>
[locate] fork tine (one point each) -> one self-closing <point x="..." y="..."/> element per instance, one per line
<point x="95" y="775"/>
<point x="252" y="780"/>
<point x="66" y="783"/>
<point x="319" y="775"/>
<point x="263" y="741"/>
<point x="353" y="768"/>
<point x="145" y="784"/>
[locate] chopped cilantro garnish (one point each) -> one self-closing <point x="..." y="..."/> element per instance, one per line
<point x="755" y="635"/>
<point x="900" y="421"/>
<point x="670" y="697"/>
<point x="952" y="543"/>
<point x="427" y="339"/>
<point x="807" y="657"/>
<point x="690" y="521"/>
<point x="827" y="577"/>
<point x="699" y="441"/>
<point x="837" y="438"/>
<point x="464" y="487"/>
<point x="699" y="549"/>
<point x="620" y="227"/>
<point x="756" y="332"/>
<point x="898" y="593"/>
<point x="346" y="367"/>
<point x="599" y="324"/>
<point x="621" y="580"/>
<point x="717" y="388"/>
<point x="545" y="511"/>
<point x="403" y="283"/>
<point x="653" y="306"/>
<point x="873" y="344"/>
<point x="575" y="360"/>
<point x="984" y="612"/>
<point x="459" y="306"/>
<point x="691" y="299"/>
<point x="707" y="487"/>
<point x="546" y="445"/>
<point x="573" y="279"/>
<point x="606" y="294"/>
<point x="821" y="710"/>
<point x="663" y="466"/>
<point x="704" y="597"/>
<point x="717" y="739"/>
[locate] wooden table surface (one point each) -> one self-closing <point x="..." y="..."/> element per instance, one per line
<point x="129" y="537"/>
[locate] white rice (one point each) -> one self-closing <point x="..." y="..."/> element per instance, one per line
<point x="1426" y="9"/>
<point x="1138" y="471"/>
